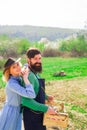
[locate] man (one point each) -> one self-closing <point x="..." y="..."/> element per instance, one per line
<point x="34" y="109"/>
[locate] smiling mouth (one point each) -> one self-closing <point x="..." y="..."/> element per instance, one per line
<point x="37" y="64"/>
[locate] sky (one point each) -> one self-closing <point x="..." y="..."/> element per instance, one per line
<point x="48" y="13"/>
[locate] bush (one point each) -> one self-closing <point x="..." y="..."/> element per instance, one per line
<point x="22" y="46"/>
<point x="51" y="53"/>
<point x="2" y="63"/>
<point x="77" y="46"/>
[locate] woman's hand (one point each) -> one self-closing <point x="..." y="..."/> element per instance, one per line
<point x="24" y="73"/>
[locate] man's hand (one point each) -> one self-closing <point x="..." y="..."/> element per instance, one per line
<point x="50" y="98"/>
<point x="51" y="110"/>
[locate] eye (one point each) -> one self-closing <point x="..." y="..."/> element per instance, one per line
<point x="18" y="64"/>
<point x="14" y="67"/>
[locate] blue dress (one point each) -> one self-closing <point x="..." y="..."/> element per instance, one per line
<point x="10" y="116"/>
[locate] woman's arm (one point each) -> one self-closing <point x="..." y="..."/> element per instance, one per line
<point x="26" y="91"/>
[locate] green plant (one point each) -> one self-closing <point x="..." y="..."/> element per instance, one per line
<point x="22" y="46"/>
<point x="77" y="46"/>
<point x="2" y="83"/>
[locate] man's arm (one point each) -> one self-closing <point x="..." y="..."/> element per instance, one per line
<point x="31" y="103"/>
<point x="34" y="105"/>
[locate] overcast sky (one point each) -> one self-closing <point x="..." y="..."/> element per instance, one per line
<point x="52" y="13"/>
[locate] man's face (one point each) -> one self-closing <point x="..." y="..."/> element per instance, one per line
<point x="35" y="63"/>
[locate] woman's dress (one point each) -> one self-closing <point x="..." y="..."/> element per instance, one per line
<point x="10" y="115"/>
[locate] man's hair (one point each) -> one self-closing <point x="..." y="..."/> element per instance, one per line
<point x="31" y="52"/>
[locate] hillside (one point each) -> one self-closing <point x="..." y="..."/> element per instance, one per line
<point x="35" y="33"/>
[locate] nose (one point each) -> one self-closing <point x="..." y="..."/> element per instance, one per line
<point x="19" y="68"/>
<point x="38" y="60"/>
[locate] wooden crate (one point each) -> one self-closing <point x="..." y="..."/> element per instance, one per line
<point x="61" y="119"/>
<point x="58" y="120"/>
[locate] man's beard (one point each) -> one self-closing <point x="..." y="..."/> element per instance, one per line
<point x="37" y="67"/>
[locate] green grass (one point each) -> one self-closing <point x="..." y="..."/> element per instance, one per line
<point x="2" y="83"/>
<point x="78" y="109"/>
<point x="73" y="67"/>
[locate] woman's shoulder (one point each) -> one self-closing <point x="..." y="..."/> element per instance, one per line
<point x="13" y="79"/>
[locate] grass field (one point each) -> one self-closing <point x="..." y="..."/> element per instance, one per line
<point x="70" y="89"/>
<point x="73" y="67"/>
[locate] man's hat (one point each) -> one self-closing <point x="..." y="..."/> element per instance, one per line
<point x="10" y="62"/>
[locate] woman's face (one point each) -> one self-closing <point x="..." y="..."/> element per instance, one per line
<point x="15" y="69"/>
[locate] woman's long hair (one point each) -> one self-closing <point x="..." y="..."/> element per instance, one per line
<point x="6" y="75"/>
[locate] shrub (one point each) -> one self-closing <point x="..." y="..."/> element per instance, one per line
<point x="51" y="53"/>
<point x="1" y="63"/>
<point x="77" y="46"/>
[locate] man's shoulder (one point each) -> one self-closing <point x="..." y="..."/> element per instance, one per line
<point x="32" y="76"/>
<point x="33" y="79"/>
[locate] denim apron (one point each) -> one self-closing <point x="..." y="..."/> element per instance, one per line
<point x="33" y="120"/>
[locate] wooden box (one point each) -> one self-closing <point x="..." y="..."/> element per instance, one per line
<point x="58" y="120"/>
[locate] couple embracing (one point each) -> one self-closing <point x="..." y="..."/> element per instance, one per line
<point x="25" y="94"/>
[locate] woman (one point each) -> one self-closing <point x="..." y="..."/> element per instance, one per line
<point x="10" y="116"/>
